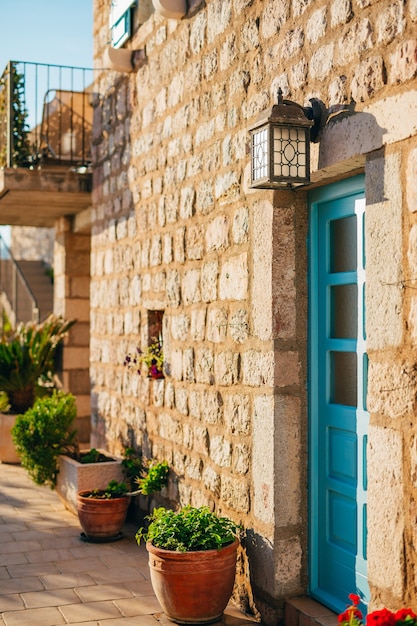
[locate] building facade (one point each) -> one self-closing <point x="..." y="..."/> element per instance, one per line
<point x="288" y="317"/>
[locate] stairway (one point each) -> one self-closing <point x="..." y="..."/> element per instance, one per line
<point x="40" y="285"/>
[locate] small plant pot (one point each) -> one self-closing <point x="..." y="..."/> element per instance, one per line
<point x="102" y="519"/>
<point x="193" y="587"/>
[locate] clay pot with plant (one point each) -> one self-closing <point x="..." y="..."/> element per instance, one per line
<point x="102" y="512"/>
<point x="192" y="561"/>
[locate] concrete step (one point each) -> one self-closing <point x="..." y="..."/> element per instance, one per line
<point x="304" y="611"/>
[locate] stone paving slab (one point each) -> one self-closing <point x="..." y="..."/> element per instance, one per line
<point x="49" y="576"/>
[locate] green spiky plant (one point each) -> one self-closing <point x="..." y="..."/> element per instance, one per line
<point x="27" y="360"/>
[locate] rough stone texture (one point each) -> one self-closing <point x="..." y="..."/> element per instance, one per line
<point x="176" y="228"/>
<point x="386" y="500"/>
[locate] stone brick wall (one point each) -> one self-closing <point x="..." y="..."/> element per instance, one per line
<point x="176" y="228"/>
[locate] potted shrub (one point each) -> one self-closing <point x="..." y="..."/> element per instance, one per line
<point x="27" y="365"/>
<point x="43" y="433"/>
<point x="192" y="561"/>
<point x="102" y="512"/>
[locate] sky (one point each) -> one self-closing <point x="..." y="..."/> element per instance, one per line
<point x="46" y="31"/>
<point x="56" y="32"/>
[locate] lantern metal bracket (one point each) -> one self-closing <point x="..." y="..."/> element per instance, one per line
<point x="317" y="114"/>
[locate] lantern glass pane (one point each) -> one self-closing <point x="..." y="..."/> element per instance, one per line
<point x="290" y="152"/>
<point x="260" y="154"/>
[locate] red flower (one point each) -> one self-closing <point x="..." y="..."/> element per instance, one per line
<point x="384" y="617"/>
<point x="406" y="615"/>
<point x="355" y="599"/>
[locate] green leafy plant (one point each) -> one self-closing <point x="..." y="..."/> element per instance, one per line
<point x="92" y="456"/>
<point x="113" y="490"/>
<point x="151" y="357"/>
<point x="43" y="433"/>
<point x="27" y="360"/>
<point x="153" y="478"/>
<point x="352" y="616"/>
<point x="132" y="464"/>
<point x="190" y="529"/>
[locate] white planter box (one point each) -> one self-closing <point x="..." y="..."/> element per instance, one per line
<point x="8" y="452"/>
<point x="75" y="476"/>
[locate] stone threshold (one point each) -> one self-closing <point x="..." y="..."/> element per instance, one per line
<point x="304" y="611"/>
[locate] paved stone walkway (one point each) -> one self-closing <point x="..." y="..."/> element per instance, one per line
<point x="49" y="576"/>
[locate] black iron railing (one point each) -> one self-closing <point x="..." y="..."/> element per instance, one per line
<point x="16" y="297"/>
<point x="46" y="115"/>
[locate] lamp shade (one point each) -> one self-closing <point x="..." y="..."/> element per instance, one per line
<point x="280" y="146"/>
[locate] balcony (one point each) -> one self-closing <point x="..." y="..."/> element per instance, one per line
<point x="46" y="118"/>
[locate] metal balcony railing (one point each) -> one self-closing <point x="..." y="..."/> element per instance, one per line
<point x="16" y="297"/>
<point x="46" y="115"/>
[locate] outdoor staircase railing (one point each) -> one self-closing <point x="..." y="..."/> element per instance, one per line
<point x="17" y="299"/>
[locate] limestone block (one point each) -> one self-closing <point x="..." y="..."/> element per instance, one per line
<point x="197" y="32"/>
<point x="226" y="371"/>
<point x="220" y="451"/>
<point x="274" y="16"/>
<point x="239" y="326"/>
<point x="233" y="283"/>
<point x="180" y="326"/>
<point x="187" y="197"/>
<point x="218" y="18"/>
<point x="204" y="366"/>
<point x="227" y="188"/>
<point x="217" y="325"/>
<point x="236" y="414"/>
<point x="390" y="23"/>
<point x="263" y="458"/>
<point x="288" y="558"/>
<point x="193" y="468"/>
<point x="386" y="524"/>
<point x="369" y="77"/>
<point x="179" y="245"/>
<point x="212" y="407"/>
<point x="411" y="183"/>
<point x="191" y="292"/>
<point x="384" y="240"/>
<point x="321" y="62"/>
<point x="262" y="270"/>
<point x="228" y="51"/>
<point x="167" y="249"/>
<point x="391" y="389"/>
<point x="198" y="324"/>
<point x="201" y="440"/>
<point x="194" y="242"/>
<point x="158" y="392"/>
<point x="194" y="404"/>
<point x="355" y="41"/>
<point x="211" y="480"/>
<point x="249" y="36"/>
<point x="181" y="400"/>
<point x="404" y="62"/>
<point x="209" y="275"/>
<point x="316" y="26"/>
<point x="235" y="494"/>
<point x="170" y="428"/>
<point x="188" y="365"/>
<point x="175" y="364"/>
<point x="413" y="9"/>
<point x="217" y="233"/>
<point x="173" y="288"/>
<point x="204" y="197"/>
<point x="257" y="368"/>
<point x="241" y="458"/>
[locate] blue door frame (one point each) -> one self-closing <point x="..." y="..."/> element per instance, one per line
<point x="338" y="420"/>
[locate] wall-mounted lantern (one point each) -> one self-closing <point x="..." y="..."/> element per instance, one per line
<point x="280" y="144"/>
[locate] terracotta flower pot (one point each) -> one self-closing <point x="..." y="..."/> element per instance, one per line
<point x="193" y="587"/>
<point x="101" y="519"/>
<point x="8" y="452"/>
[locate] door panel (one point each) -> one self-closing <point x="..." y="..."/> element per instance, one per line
<point x="338" y="417"/>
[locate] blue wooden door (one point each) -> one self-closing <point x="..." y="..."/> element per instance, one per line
<point x="337" y="384"/>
